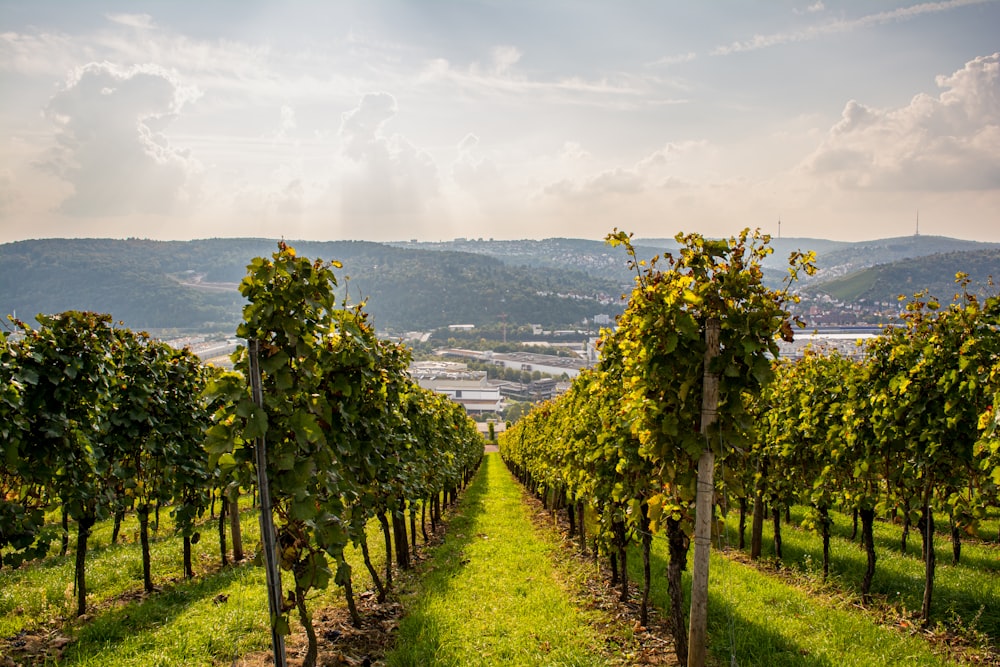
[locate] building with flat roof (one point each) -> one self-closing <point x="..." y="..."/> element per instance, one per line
<point x="526" y="361"/>
<point x="476" y="396"/>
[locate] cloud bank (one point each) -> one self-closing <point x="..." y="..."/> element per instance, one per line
<point x="948" y="142"/>
<point x="110" y="144"/>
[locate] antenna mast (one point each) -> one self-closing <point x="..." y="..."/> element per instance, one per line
<point x="917" y="233"/>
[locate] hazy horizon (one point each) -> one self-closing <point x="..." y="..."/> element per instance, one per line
<point x="636" y="239"/>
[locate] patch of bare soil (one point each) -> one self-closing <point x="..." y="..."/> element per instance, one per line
<point x="340" y="643"/>
<point x="35" y="647"/>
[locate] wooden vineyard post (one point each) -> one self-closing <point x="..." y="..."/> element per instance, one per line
<point x="267" y="533"/>
<point x="698" y="631"/>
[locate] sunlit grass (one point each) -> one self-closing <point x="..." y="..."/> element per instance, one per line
<point x="491" y="595"/>
<point x="966" y="596"/>
<point x="40" y="592"/>
<point x="182" y="626"/>
<point x="211" y="619"/>
<point x="755" y="618"/>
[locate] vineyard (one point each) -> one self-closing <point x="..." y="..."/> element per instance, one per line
<point x="98" y="421"/>
<point x="906" y="435"/>
<point x="688" y="432"/>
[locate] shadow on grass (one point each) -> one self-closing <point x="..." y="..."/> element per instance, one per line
<point x="898" y="578"/>
<point x="976" y="553"/>
<point x="112" y="626"/>
<point x="420" y="640"/>
<point x="750" y="641"/>
<point x="732" y="634"/>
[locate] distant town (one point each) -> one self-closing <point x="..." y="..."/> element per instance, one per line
<point x="497" y="388"/>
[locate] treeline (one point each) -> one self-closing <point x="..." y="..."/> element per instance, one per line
<point x="154" y="284"/>
<point x="96" y="420"/>
<point x="934" y="273"/>
<point x="907" y="432"/>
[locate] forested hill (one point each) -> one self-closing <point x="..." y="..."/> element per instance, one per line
<point x="420" y="286"/>
<point x="935" y="273"/>
<point x="833" y="258"/>
<point x="193" y="284"/>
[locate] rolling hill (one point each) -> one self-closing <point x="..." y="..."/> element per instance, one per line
<point x="935" y="273"/>
<point x="193" y="284"/>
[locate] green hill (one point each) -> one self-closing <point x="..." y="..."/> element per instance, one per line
<point x="193" y="284"/>
<point x="935" y="273"/>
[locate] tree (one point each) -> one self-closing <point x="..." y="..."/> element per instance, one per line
<point x="23" y="497"/>
<point x="64" y="371"/>
<point x="664" y="348"/>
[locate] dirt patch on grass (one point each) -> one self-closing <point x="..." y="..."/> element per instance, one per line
<point x="32" y="647"/>
<point x="340" y="643"/>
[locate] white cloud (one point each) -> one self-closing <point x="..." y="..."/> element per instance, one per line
<point x="281" y="200"/>
<point x="504" y="58"/>
<point x="137" y="21"/>
<point x="841" y="25"/>
<point x="360" y="127"/>
<point x="814" y="8"/>
<point x="656" y="170"/>
<point x="474" y="174"/>
<point x="286" y="124"/>
<point x="40" y="53"/>
<point x="502" y="79"/>
<point x="110" y="141"/>
<point x="946" y="143"/>
<point x="389" y="184"/>
<point x="676" y="59"/>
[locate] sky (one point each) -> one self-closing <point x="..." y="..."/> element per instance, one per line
<point x="508" y="119"/>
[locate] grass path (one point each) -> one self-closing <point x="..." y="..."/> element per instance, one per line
<point x="492" y="594"/>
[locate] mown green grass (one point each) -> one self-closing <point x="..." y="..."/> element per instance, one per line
<point x="41" y="592"/>
<point x="183" y="626"/>
<point x="756" y="618"/>
<point x="491" y="594"/>
<point x="212" y="619"/>
<point x="966" y="596"/>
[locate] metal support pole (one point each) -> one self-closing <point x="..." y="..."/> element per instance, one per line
<point x="268" y="536"/>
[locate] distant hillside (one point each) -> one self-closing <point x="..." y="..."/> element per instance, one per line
<point x="594" y="258"/>
<point x="936" y="273"/>
<point x="782" y="248"/>
<point x="138" y="282"/>
<point x="410" y="286"/>
<point x="192" y="285"/>
<point x="849" y="258"/>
